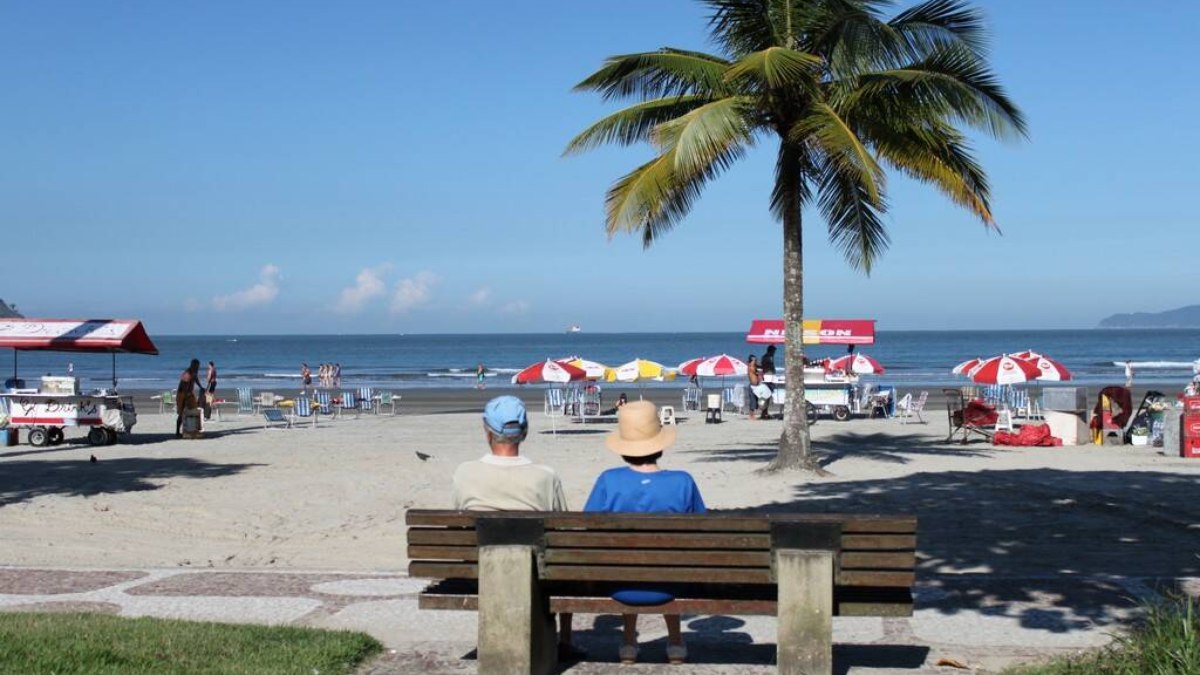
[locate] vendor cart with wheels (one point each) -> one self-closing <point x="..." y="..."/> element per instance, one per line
<point x="57" y="403"/>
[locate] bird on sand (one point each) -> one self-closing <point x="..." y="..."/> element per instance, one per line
<point x="422" y="456"/>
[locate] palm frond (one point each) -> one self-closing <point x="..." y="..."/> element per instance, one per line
<point x="742" y="26"/>
<point x="654" y="197"/>
<point x="776" y="68"/>
<point x="659" y="74"/>
<point x="939" y="22"/>
<point x="706" y="134"/>
<point x="852" y="216"/>
<point x="957" y="82"/>
<point x="937" y="154"/>
<point x="840" y="144"/>
<point x="633" y="124"/>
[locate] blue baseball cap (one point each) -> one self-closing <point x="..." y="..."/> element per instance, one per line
<point x="505" y="416"/>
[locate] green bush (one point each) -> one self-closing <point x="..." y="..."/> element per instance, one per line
<point x="97" y="644"/>
<point x="1166" y="641"/>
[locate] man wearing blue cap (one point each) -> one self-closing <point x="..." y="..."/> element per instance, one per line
<point x="503" y="480"/>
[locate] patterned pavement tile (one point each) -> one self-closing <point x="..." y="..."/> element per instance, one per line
<point x="14" y="581"/>
<point x="239" y="584"/>
<point x="67" y="607"/>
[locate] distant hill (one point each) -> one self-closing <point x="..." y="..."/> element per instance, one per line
<point x="1184" y="317"/>
<point x="7" y="312"/>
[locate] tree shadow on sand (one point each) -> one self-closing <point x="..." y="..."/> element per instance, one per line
<point x="1057" y="550"/>
<point x="890" y="448"/>
<point x="26" y="479"/>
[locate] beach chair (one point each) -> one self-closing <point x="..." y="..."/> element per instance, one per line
<point x="712" y="410"/>
<point x="302" y="409"/>
<point x="590" y="403"/>
<point x="246" y="404"/>
<point x="691" y="398"/>
<point x="350" y="402"/>
<point x="266" y="399"/>
<point x="366" y="400"/>
<point x="968" y="417"/>
<point x="907" y="407"/>
<point x="554" y="407"/>
<point x="735" y="397"/>
<point x="389" y="399"/>
<point x="324" y="403"/>
<point x="166" y="402"/>
<point x="273" y="416"/>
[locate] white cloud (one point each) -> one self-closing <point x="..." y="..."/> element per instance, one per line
<point x="515" y="307"/>
<point x="262" y="293"/>
<point x="368" y="285"/>
<point x="413" y="292"/>
<point x="481" y="296"/>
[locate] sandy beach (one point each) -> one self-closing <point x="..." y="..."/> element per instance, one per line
<point x="334" y="497"/>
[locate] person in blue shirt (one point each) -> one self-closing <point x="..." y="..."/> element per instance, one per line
<point x="641" y="486"/>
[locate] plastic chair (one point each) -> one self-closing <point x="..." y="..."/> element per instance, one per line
<point x="666" y="415"/>
<point x="712" y="412"/>
<point x="166" y="402"/>
<point x="691" y="398"/>
<point x="554" y="406"/>
<point x="907" y="408"/>
<point x="389" y="399"/>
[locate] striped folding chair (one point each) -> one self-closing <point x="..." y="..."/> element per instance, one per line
<point x="324" y="403"/>
<point x="303" y="409"/>
<point x="350" y="402"/>
<point x="366" y="400"/>
<point x="246" y="401"/>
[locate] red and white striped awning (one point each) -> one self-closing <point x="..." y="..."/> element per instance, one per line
<point x="64" y="335"/>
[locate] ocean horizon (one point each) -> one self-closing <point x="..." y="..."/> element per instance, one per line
<point x="408" y="360"/>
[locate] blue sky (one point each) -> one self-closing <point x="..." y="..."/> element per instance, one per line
<point x="232" y="167"/>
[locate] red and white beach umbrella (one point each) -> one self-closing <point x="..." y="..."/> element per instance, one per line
<point x="967" y="366"/>
<point x="713" y="366"/>
<point x="1050" y="370"/>
<point x="1005" y="369"/>
<point x="549" y="371"/>
<point x="593" y="369"/>
<point x="1027" y="355"/>
<point x="857" y="363"/>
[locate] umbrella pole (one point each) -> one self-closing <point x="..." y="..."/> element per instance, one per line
<point x="114" y="371"/>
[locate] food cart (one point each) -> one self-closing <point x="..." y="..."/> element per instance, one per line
<point x="832" y="393"/>
<point x="55" y="403"/>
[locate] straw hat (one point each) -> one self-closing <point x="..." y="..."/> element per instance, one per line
<point x="639" y="433"/>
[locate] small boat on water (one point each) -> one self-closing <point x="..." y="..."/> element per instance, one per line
<point x="574" y="328"/>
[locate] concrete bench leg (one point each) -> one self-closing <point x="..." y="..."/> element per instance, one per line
<point x="804" y="561"/>
<point x="516" y="629"/>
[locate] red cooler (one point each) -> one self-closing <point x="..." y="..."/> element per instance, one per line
<point x="1191" y="429"/>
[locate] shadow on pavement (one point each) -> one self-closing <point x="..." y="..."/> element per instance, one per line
<point x="24" y="480"/>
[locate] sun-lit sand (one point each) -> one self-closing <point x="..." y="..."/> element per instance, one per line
<point x="334" y="497"/>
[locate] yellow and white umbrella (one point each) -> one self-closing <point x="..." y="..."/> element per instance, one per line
<point x="640" y="370"/>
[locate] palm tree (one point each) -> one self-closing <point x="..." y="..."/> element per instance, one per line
<point x="845" y="91"/>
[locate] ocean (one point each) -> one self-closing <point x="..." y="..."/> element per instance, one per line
<point x="912" y="358"/>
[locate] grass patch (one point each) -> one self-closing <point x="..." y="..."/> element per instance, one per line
<point x="1165" y="642"/>
<point x="98" y="644"/>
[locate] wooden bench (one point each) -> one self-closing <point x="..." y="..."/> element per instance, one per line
<point x="519" y="568"/>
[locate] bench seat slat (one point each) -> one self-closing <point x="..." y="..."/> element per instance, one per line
<point x="851" y="523"/>
<point x="728" y="575"/>
<point x="470" y="553"/>
<point x="760" y="542"/>
<point x="889" y="560"/>
<point x="440" y="537"/>
<point x="672" y="558"/>
<point x="875" y="578"/>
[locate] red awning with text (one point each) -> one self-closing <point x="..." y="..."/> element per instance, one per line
<point x="67" y="335"/>
<point x="816" y="331"/>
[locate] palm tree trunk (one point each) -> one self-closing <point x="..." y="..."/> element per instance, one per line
<point x="794" y="443"/>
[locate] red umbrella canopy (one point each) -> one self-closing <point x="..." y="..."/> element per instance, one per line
<point x="967" y="366"/>
<point x="1005" y="369"/>
<point x="549" y="371"/>
<point x="1050" y="370"/>
<point x="857" y="363"/>
<point x="714" y="366"/>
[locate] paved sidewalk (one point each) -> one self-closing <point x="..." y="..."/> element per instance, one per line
<point x="983" y="622"/>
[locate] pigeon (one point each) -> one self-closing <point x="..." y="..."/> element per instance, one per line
<point x="93" y="460"/>
<point x="422" y="456"/>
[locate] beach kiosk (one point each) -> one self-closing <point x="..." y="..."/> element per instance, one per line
<point x="837" y="394"/>
<point x="46" y="406"/>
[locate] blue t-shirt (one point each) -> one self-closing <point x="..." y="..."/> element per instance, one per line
<point x="623" y="490"/>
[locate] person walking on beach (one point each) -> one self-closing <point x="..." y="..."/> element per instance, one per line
<point x="185" y="394"/>
<point x="306" y="376"/>
<point x="337" y="375"/>
<point x="505" y="480"/>
<point x="767" y="365"/>
<point x="480" y="372"/>
<point x="1129" y="374"/>
<point x="754" y="376"/>
<point x="210" y="389"/>
<point x="641" y="486"/>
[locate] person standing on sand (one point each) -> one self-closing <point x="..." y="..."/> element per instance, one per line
<point x="480" y="372"/>
<point x="210" y="388"/>
<point x="641" y="486"/>
<point x="1129" y="374"/>
<point x="185" y="394"/>
<point x="337" y="375"/>
<point x="754" y="375"/>
<point x="305" y="376"/>
<point x="504" y="480"/>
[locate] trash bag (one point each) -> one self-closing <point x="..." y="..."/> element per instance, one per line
<point x="1030" y="435"/>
